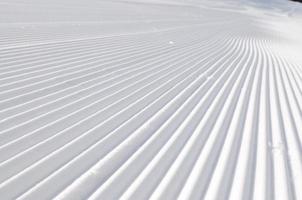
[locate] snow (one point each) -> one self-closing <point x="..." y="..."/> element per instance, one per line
<point x="155" y="99"/>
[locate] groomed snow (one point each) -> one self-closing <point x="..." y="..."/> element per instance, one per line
<point x="155" y="99"/>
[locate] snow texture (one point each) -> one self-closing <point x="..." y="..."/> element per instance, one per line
<point x="155" y="99"/>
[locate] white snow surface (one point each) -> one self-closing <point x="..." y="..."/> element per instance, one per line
<point x="155" y="99"/>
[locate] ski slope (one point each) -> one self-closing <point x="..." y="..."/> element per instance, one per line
<point x="155" y="99"/>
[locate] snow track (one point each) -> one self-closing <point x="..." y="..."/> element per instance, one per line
<point x="159" y="100"/>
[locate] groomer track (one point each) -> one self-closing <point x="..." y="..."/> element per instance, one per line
<point x="115" y="99"/>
